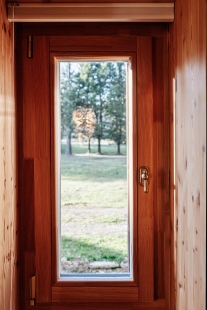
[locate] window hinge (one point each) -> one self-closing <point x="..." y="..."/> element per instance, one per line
<point x="29" y="46"/>
<point x="32" y="291"/>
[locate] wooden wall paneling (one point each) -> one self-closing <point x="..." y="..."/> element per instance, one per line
<point x="190" y="178"/>
<point x="199" y="124"/>
<point x="8" y="226"/>
<point x="145" y="200"/>
<point x="188" y="37"/>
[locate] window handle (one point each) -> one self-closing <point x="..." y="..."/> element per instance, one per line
<point x="144" y="178"/>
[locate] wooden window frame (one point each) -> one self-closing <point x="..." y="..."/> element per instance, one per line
<point x="35" y="161"/>
<point x="93" y="289"/>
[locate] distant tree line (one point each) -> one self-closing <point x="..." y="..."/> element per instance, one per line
<point x="93" y="101"/>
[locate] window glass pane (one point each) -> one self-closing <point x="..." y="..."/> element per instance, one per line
<point x="94" y="211"/>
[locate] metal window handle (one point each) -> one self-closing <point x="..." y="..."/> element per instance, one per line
<point x="146" y="189"/>
<point x="144" y="178"/>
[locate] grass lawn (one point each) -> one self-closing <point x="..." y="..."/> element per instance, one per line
<point x="94" y="206"/>
<point x="106" y="149"/>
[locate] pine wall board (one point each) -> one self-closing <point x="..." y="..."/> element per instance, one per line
<point x="7" y="168"/>
<point x="188" y="207"/>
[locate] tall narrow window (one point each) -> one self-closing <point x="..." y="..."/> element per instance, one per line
<point x="94" y="199"/>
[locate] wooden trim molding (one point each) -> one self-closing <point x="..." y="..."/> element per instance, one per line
<point x="90" y="12"/>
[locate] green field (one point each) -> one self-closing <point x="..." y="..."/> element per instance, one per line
<point x="94" y="205"/>
<point x="106" y="148"/>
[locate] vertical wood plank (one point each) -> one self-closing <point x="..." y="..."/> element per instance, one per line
<point x="26" y="226"/>
<point x="173" y="211"/>
<point x="42" y="230"/>
<point x="26" y="203"/>
<point x="42" y="169"/>
<point x="29" y="99"/>
<point x="29" y="260"/>
<point x="160" y="154"/>
<point x="8" y="225"/>
<point x="188" y="53"/>
<point x="145" y="158"/>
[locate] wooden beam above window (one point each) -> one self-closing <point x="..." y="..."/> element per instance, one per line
<point x="90" y="12"/>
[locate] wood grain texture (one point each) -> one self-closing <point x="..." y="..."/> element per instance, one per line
<point x="40" y="157"/>
<point x="29" y="101"/>
<point x="91" y="294"/>
<point x="145" y="158"/>
<point x="188" y="58"/>
<point x="91" y="12"/>
<point x="8" y="214"/>
<point x="92" y="43"/>
<point x="94" y="1"/>
<point x="34" y="168"/>
<point x="42" y="211"/>
<point x="156" y="305"/>
<point x="173" y="211"/>
<point x="160" y="160"/>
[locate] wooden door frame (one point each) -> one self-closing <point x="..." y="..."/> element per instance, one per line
<point x="33" y="166"/>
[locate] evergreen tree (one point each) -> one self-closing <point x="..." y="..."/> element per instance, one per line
<point x="116" y="104"/>
<point x="67" y="103"/>
<point x="101" y="88"/>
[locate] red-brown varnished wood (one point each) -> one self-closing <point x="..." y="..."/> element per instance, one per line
<point x="94" y="29"/>
<point x="94" y="1"/>
<point x="29" y="100"/>
<point x="145" y="158"/>
<point x="160" y="141"/>
<point x="29" y="259"/>
<point x="156" y="305"/>
<point x="147" y="110"/>
<point x="92" y="43"/>
<point x="92" y="294"/>
<point x="41" y="110"/>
